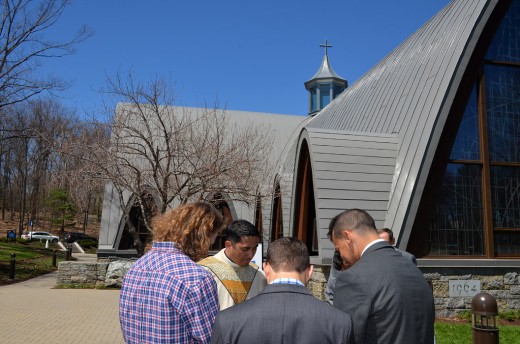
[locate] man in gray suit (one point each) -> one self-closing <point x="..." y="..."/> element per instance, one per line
<point x="383" y="291"/>
<point x="285" y="311"/>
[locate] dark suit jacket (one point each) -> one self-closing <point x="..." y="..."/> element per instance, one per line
<point x="283" y="313"/>
<point x="388" y="298"/>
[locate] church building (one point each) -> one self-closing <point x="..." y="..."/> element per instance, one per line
<point x="427" y="142"/>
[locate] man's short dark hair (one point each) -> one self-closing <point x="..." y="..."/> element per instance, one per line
<point x="240" y="228"/>
<point x="353" y="219"/>
<point x="288" y="255"/>
<point x="387" y="230"/>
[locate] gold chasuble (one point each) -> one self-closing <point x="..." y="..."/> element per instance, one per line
<point x="236" y="279"/>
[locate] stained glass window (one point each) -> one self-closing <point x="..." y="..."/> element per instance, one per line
<point x="462" y="216"/>
<point x="457" y="225"/>
<point x="466" y="146"/>
<point x="503" y="112"/>
<point x="506" y="43"/>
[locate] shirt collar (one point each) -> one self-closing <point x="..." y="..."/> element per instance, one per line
<point x="224" y="257"/>
<point x="164" y="245"/>
<point x="287" y="281"/>
<point x="372" y="243"/>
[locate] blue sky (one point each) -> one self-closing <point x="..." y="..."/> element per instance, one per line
<point x="246" y="55"/>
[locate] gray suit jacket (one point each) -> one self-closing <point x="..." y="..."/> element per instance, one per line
<point x="331" y="282"/>
<point x="388" y="298"/>
<point x="283" y="313"/>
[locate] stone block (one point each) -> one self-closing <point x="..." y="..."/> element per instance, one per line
<point x="318" y="275"/>
<point x="515" y="290"/>
<point x="492" y="282"/>
<point x="499" y="294"/>
<point x="432" y="276"/>
<point x="440" y="289"/>
<point x="455" y="303"/>
<point x="513" y="304"/>
<point x="439" y="301"/>
<point x="82" y="279"/>
<point x="116" y="271"/>
<point x="511" y="278"/>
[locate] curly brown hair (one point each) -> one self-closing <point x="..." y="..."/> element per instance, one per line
<point x="190" y="227"/>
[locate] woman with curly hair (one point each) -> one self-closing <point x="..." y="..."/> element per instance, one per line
<point x="165" y="296"/>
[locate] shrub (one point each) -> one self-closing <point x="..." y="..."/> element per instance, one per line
<point x="464" y="315"/>
<point x="511" y="315"/>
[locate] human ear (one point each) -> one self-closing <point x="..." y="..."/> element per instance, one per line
<point x="267" y="272"/>
<point x="347" y="235"/>
<point x="309" y="272"/>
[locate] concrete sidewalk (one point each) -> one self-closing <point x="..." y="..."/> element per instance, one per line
<point x="33" y="312"/>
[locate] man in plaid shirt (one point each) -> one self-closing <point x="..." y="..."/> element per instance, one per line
<point x="165" y="296"/>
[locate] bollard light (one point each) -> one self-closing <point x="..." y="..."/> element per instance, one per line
<point x="484" y="319"/>
<point x="54" y="258"/>
<point x="12" y="266"/>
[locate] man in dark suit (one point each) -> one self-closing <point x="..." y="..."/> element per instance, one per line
<point x="285" y="311"/>
<point x="383" y="291"/>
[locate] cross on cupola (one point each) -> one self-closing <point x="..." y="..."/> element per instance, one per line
<point x="325" y="85"/>
<point x="326" y="45"/>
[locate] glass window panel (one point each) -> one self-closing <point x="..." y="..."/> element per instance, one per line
<point x="503" y="109"/>
<point x="507" y="243"/>
<point x="466" y="146"/>
<point x="337" y="91"/>
<point x="506" y="43"/>
<point x="314" y="100"/>
<point x="505" y="194"/>
<point x="457" y="226"/>
<point x="324" y="96"/>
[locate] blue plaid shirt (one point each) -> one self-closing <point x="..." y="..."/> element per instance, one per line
<point x="167" y="298"/>
<point x="285" y="280"/>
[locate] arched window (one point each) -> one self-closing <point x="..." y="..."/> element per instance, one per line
<point x="258" y="214"/>
<point x="476" y="208"/>
<point x="304" y="219"/>
<point x="136" y="221"/>
<point x="277" y="219"/>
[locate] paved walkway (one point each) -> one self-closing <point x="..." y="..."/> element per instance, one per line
<point x="34" y="312"/>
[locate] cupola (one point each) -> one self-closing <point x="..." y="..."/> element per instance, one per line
<point x="325" y="85"/>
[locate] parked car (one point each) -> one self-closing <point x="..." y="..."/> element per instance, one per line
<point x="40" y="236"/>
<point x="71" y="237"/>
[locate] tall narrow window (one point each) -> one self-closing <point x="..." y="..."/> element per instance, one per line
<point x="476" y="211"/>
<point x="277" y="218"/>
<point x="258" y="215"/>
<point x="304" y="219"/>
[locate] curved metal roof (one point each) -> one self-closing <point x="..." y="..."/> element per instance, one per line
<point x="409" y="94"/>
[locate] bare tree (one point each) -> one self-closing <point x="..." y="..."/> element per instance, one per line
<point x="179" y="154"/>
<point x="23" y="47"/>
<point x="84" y="178"/>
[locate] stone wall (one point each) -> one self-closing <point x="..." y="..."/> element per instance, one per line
<point x="105" y="273"/>
<point x="318" y="281"/>
<point x="502" y="283"/>
<point x="82" y="273"/>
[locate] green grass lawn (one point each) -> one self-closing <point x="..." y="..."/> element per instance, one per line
<point x="454" y="333"/>
<point x="32" y="260"/>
